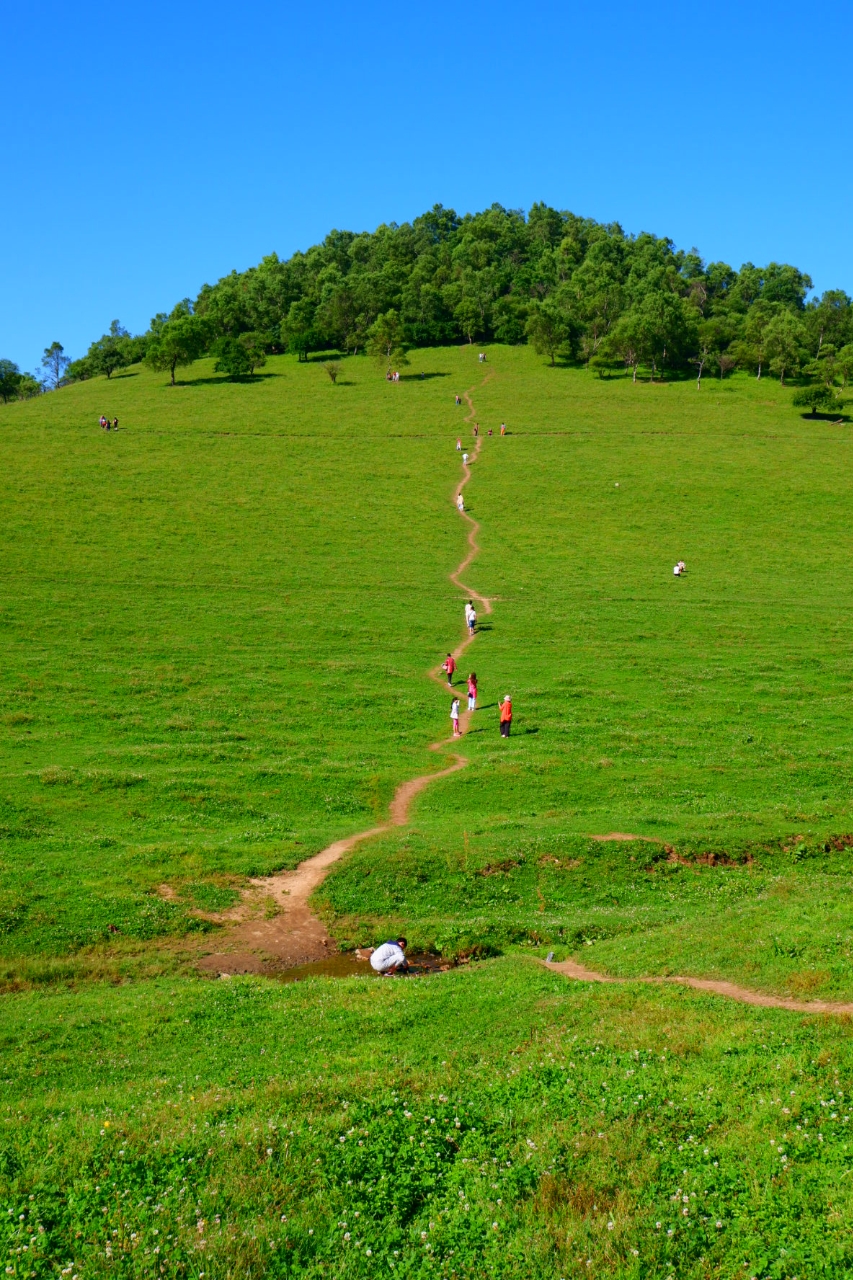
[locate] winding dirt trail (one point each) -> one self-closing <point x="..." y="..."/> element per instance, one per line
<point x="716" y="987"/>
<point x="273" y="927"/>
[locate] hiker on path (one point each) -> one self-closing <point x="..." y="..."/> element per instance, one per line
<point x="460" y="502"/>
<point x="458" y="445"/>
<point x="472" y="691"/>
<point x="471" y="619"/>
<point x="103" y="423"/>
<point x="454" y="717"/>
<point x="465" y="459"/>
<point x="476" y="430"/>
<point x="469" y="609"/>
<point x="506" y="716"/>
<point x="390" y="958"/>
<point x="449" y="665"/>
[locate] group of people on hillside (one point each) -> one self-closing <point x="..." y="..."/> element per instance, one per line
<point x="449" y="667"/>
<point x="393" y="377"/>
<point x="107" y="426"/>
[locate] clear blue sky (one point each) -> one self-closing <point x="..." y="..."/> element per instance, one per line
<point x="149" y="149"/>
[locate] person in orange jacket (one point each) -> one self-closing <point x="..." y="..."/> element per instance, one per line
<point x="506" y="716"/>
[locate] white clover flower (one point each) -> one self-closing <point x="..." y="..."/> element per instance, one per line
<point x="347" y="1235"/>
<point x="719" y="1224"/>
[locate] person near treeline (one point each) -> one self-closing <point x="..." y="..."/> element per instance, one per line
<point x="454" y="717"/>
<point x="506" y="716"/>
<point x="390" y="958"/>
<point x="472" y="691"/>
<point x="449" y="665"/>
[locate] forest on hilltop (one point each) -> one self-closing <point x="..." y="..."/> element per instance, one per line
<point x="579" y="290"/>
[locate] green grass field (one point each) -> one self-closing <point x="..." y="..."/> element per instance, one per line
<point x="216" y="626"/>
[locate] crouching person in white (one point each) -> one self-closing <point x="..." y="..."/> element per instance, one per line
<point x="390" y="958"/>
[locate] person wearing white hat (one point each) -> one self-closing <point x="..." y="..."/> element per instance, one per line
<point x="506" y="716"/>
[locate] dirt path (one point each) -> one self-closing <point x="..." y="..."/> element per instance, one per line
<point x="273" y="926"/>
<point x="719" y="988"/>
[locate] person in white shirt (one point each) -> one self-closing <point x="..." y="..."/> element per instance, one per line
<point x="460" y="503"/>
<point x="390" y="958"/>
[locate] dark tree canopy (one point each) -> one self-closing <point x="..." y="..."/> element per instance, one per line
<point x="577" y="290"/>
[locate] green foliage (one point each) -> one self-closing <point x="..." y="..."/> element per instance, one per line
<point x="820" y="397"/>
<point x="179" y="342"/>
<point x="10" y="380"/>
<point x="55" y="362"/>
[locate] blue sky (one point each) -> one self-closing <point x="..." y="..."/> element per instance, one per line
<point x="149" y="149"/>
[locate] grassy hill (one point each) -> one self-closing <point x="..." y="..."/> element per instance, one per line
<point x="215" y="628"/>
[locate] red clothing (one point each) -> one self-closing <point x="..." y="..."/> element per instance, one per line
<point x="506" y="711"/>
<point x="450" y="666"/>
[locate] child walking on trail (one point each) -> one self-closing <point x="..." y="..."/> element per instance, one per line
<point x="472" y="619"/>
<point x="449" y="665"/>
<point x="506" y="716"/>
<point x="460" y="502"/>
<point x="472" y="691"/>
<point x="454" y="716"/>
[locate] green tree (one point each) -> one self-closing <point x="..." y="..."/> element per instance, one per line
<point x="385" y="340"/>
<point x="10" y="380"/>
<point x="297" y="330"/>
<point x="625" y="341"/>
<point x="55" y="361"/>
<point x="785" y="340"/>
<point x="178" y="343"/>
<point x="111" y="352"/>
<point x="231" y="358"/>
<point x="844" y="364"/>
<point x="547" y="328"/>
<point x="333" y="369"/>
<point x="29" y="386"/>
<point x="255" y="346"/>
<point x="815" y="398"/>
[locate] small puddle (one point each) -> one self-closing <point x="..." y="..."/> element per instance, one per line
<point x="345" y="965"/>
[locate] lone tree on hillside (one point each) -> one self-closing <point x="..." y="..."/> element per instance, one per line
<point x="179" y="342"/>
<point x="55" y="361"/>
<point x="815" y="398"/>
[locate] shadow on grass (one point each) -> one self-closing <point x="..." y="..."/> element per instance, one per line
<point x="421" y="377"/>
<point x="836" y="418"/>
<point x="222" y="380"/>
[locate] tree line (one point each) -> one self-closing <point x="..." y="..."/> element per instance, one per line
<point x="578" y="290"/>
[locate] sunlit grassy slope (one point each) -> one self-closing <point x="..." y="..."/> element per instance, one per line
<point x="216" y="623"/>
<point x="214" y="632"/>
